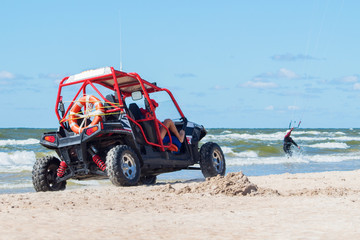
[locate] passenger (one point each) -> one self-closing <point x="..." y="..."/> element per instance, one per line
<point x="288" y="142"/>
<point x="167" y="122"/>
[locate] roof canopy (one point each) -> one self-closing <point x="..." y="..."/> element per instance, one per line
<point x="127" y="82"/>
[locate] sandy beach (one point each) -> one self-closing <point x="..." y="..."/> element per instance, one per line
<point x="288" y="206"/>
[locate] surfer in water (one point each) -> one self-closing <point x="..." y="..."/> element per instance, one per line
<point x="288" y="142"/>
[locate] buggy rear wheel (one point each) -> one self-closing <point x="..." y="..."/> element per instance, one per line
<point x="212" y="160"/>
<point x="123" y="166"/>
<point x="44" y="175"/>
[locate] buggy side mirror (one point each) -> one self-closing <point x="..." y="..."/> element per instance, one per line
<point x="136" y="95"/>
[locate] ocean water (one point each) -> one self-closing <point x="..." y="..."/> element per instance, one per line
<point x="254" y="151"/>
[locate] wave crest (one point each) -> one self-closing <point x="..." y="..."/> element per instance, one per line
<point x="13" y="142"/>
<point x="16" y="161"/>
<point x="330" y="145"/>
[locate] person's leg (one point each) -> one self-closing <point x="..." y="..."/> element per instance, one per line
<point x="289" y="151"/>
<point x="287" y="148"/>
<point x="172" y="128"/>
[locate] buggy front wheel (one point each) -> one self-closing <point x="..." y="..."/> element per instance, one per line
<point x="212" y="160"/>
<point x="123" y="166"/>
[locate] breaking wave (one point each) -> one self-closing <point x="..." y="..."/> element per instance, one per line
<point x="17" y="161"/>
<point x="330" y="145"/>
<point x="13" y="142"/>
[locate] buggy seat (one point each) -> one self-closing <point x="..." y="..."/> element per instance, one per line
<point x="149" y="128"/>
<point x="115" y="115"/>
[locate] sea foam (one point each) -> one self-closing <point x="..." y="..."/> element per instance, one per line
<point x="16" y="161"/>
<point x="245" y="136"/>
<point x="245" y="154"/>
<point x="274" y="137"/>
<point x="13" y="142"/>
<point x="264" y="160"/>
<point x="329" y="145"/>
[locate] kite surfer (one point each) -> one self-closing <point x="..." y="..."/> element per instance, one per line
<point x="288" y="142"/>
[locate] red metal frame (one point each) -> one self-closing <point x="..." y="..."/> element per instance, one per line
<point x="115" y="87"/>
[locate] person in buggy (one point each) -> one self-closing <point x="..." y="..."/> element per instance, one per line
<point x="178" y="137"/>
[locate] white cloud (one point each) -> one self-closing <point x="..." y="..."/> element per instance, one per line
<point x="350" y="79"/>
<point x="259" y="84"/>
<point x="270" y="108"/>
<point x="285" y="73"/>
<point x="282" y="73"/>
<point x="293" y="107"/>
<point x="6" y="75"/>
<point x="356" y="86"/>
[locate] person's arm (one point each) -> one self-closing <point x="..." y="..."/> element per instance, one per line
<point x="293" y="142"/>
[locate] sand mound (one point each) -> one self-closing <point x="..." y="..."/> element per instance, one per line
<point x="232" y="184"/>
<point x="237" y="184"/>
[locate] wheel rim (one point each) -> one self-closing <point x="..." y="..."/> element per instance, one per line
<point x="128" y="166"/>
<point x="218" y="161"/>
<point x="51" y="176"/>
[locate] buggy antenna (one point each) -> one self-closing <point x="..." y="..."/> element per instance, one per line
<point x="120" y="42"/>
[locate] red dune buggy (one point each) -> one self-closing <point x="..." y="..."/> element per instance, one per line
<point x="110" y="129"/>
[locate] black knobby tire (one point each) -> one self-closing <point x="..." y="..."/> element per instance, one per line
<point x="148" y="180"/>
<point x="44" y="175"/>
<point x="123" y="166"/>
<point x="212" y="160"/>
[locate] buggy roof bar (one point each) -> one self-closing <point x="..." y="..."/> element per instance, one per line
<point x="120" y="82"/>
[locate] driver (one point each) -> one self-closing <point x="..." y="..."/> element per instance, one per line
<point x="167" y="122"/>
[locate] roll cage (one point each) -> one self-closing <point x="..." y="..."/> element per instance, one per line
<point x="123" y="85"/>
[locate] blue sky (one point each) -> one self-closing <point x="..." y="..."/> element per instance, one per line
<point x="238" y="64"/>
